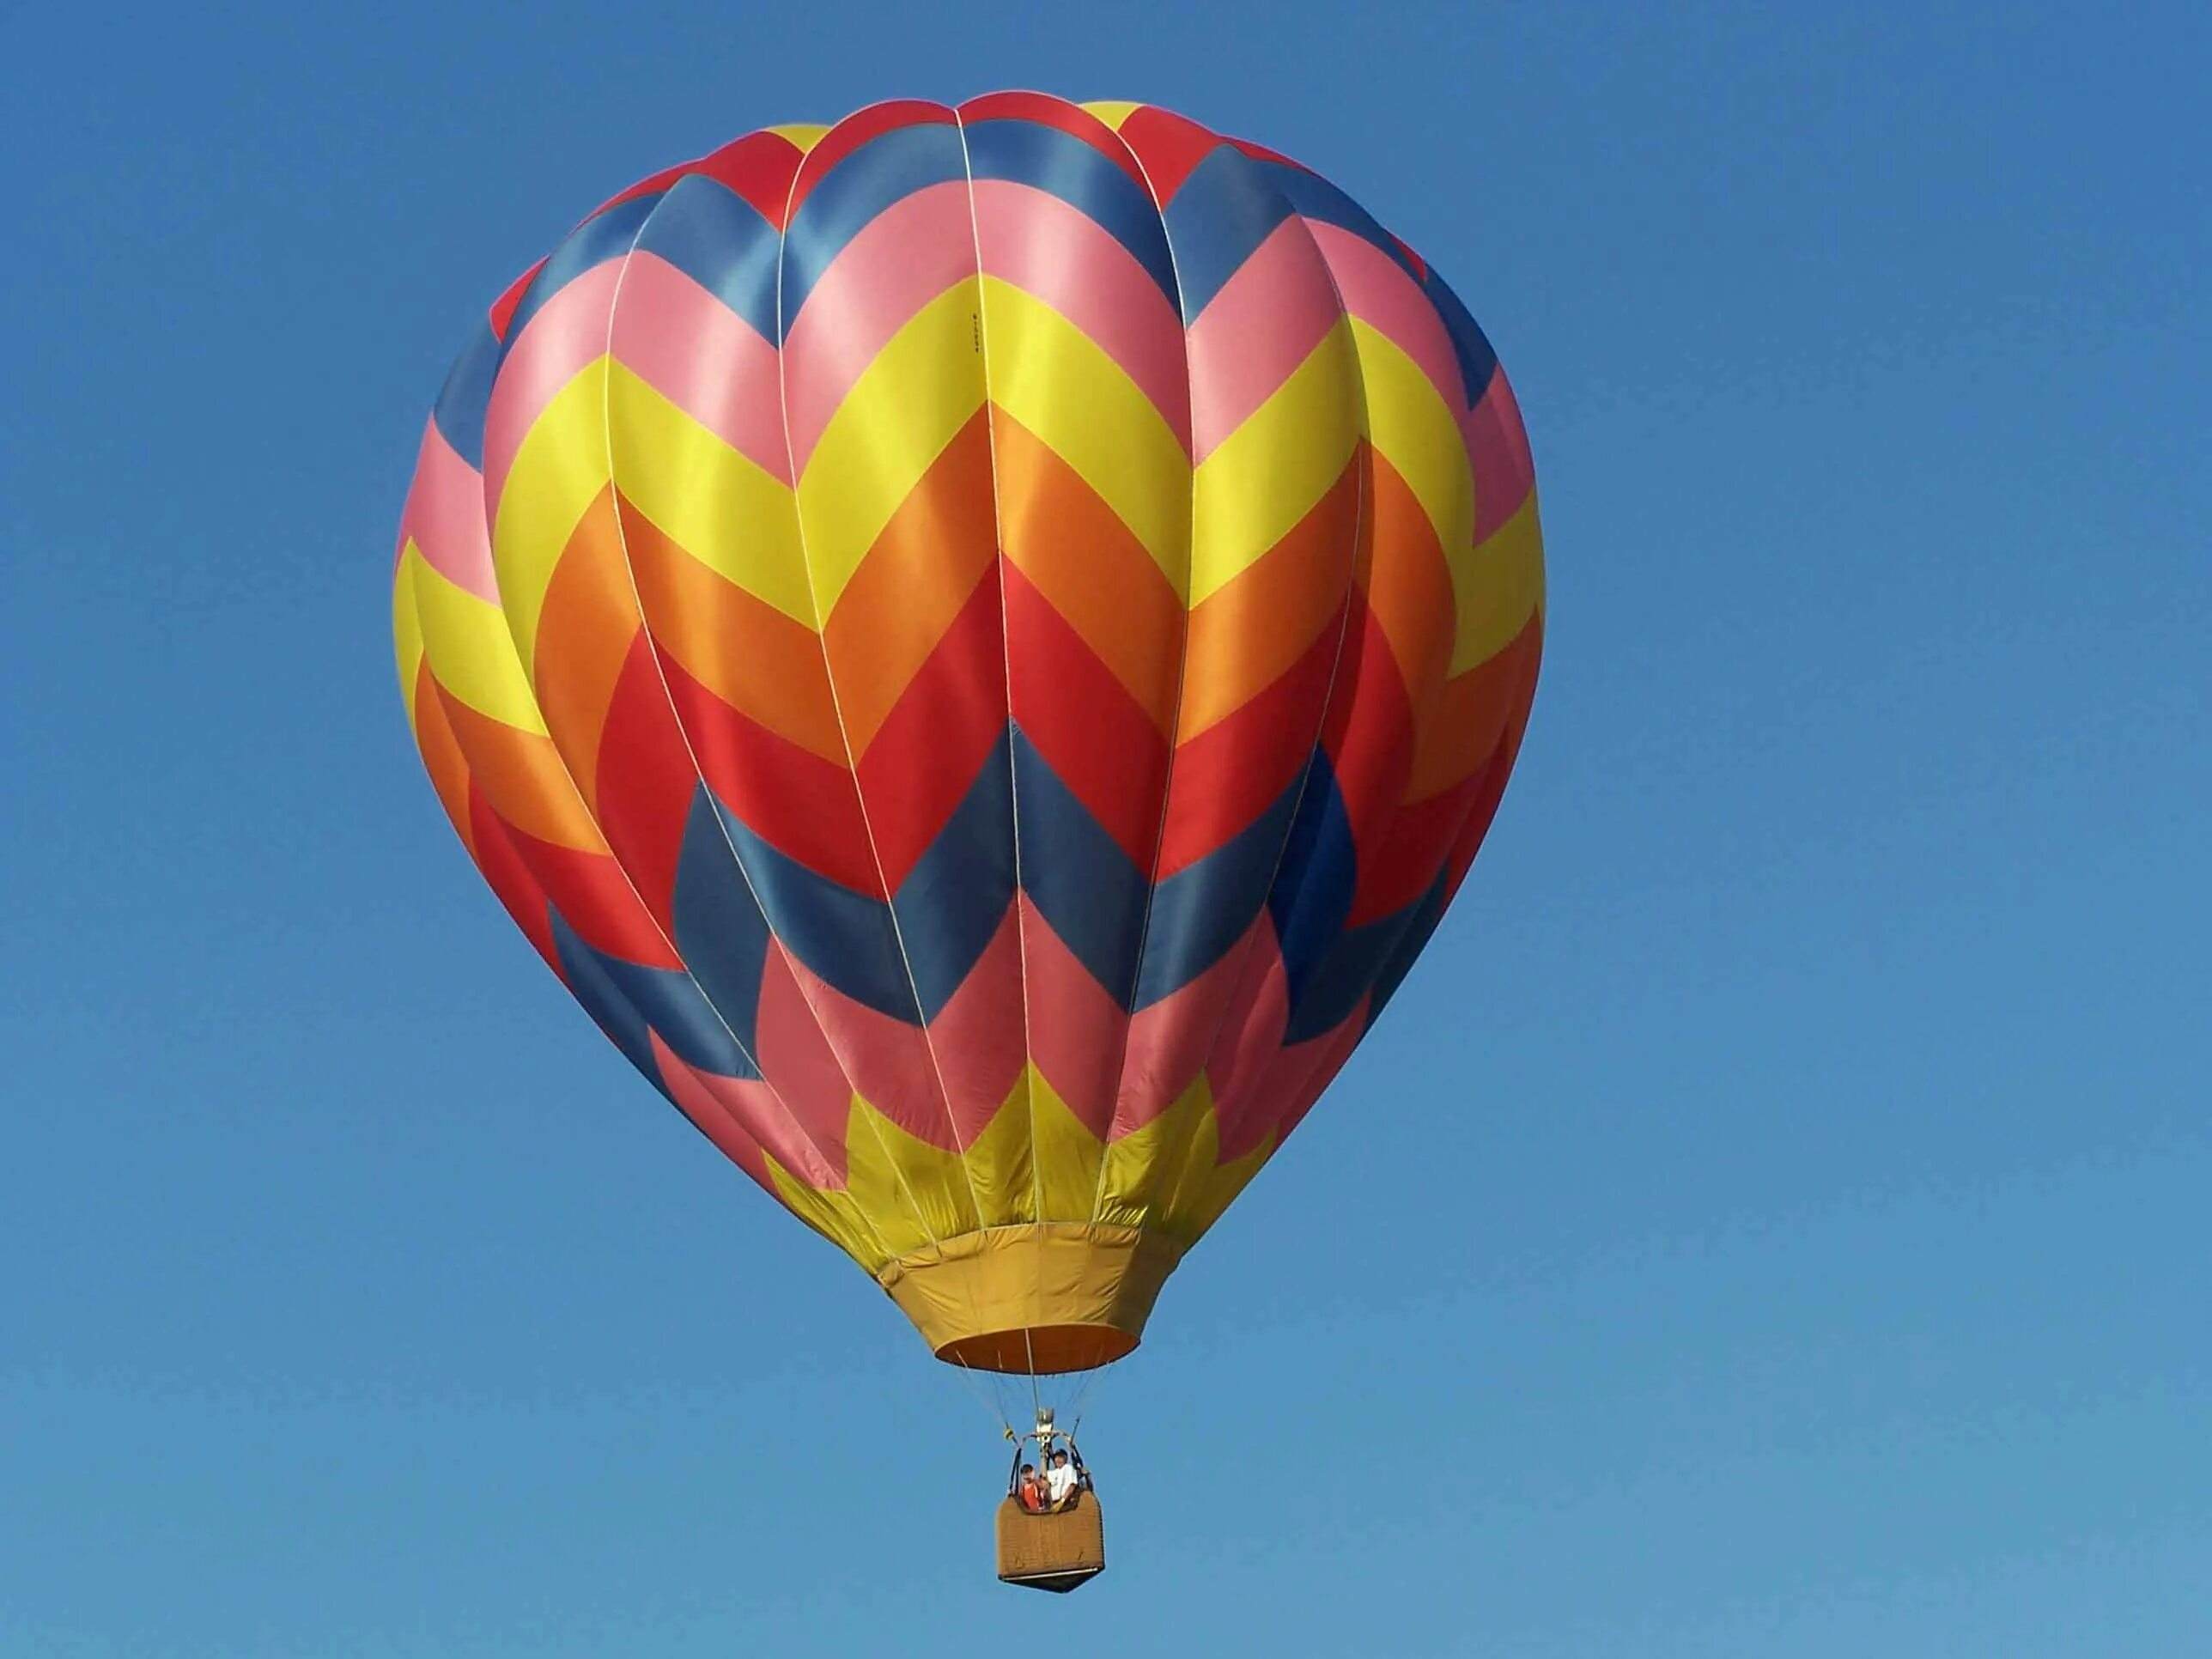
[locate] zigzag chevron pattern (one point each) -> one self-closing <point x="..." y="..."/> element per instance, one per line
<point x="979" y="643"/>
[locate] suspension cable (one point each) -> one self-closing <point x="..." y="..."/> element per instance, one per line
<point x="1082" y="1400"/>
<point x="989" y="1402"/>
<point x="1034" y="1404"/>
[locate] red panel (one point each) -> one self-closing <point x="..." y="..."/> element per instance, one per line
<point x="1098" y="739"/>
<point x="646" y="782"/>
<point x="1168" y="147"/>
<point x="1261" y="152"/>
<point x="502" y="308"/>
<point x="1230" y="774"/>
<point x="799" y="804"/>
<point x="648" y="185"/>
<point x="1368" y="733"/>
<point x="944" y="725"/>
<point x="759" y="168"/>
<point x="503" y="872"/>
<point x="1490" y="782"/>
<point x="595" y="898"/>
<point x="1399" y="865"/>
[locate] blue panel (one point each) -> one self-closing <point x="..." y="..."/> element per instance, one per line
<point x="607" y="236"/>
<point x="1199" y="912"/>
<point x="1312" y="197"/>
<point x="601" y="998"/>
<point x="952" y="900"/>
<point x="628" y="1000"/>
<point x="460" y="411"/>
<point x="1477" y="361"/>
<point x="1087" y="888"/>
<point x="1420" y="925"/>
<point x="882" y="172"/>
<point x="719" y="932"/>
<point x="1225" y="210"/>
<point x="1312" y="894"/>
<point x="720" y="240"/>
<point x="845" y="939"/>
<point x="1060" y="163"/>
<point x="1347" y="972"/>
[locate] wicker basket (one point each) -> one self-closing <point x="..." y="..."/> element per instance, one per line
<point x="1055" y="1552"/>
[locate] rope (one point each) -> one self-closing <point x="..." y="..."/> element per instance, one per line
<point x="1082" y="1399"/>
<point x="989" y="1402"/>
<point x="1035" y="1405"/>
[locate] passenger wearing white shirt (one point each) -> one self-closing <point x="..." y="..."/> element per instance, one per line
<point x="1060" y="1481"/>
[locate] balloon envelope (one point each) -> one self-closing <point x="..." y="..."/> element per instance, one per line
<point x="978" y="642"/>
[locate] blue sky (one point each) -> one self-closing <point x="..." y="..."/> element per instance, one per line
<point x="1773" y="1219"/>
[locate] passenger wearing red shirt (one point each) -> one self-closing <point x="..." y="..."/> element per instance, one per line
<point x="1030" y="1492"/>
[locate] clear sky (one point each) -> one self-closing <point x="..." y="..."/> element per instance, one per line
<point x="1773" y="1219"/>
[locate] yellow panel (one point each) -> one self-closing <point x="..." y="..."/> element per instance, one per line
<point x="406" y="626"/>
<point x="1067" y="1154"/>
<point x="558" y="471"/>
<point x="999" y="1168"/>
<point x="1496" y="586"/>
<point x="912" y="1193"/>
<point x="471" y="651"/>
<point x="901" y="413"/>
<point x="803" y="135"/>
<point x="1267" y="474"/>
<point x="1141" y="1167"/>
<point x="1413" y="429"/>
<point x="1058" y="382"/>
<point x="1034" y="1147"/>
<point x="738" y="520"/>
<point x="833" y="1215"/>
<point x="1205" y="1186"/>
<point x="1113" y="111"/>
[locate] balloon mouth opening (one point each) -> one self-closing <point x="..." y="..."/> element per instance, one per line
<point x="1039" y="1298"/>
<point x="1040" y="1351"/>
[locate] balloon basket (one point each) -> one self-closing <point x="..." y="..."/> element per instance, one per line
<point x="1054" y="1552"/>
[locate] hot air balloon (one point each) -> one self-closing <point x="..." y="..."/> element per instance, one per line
<point x="978" y="642"/>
